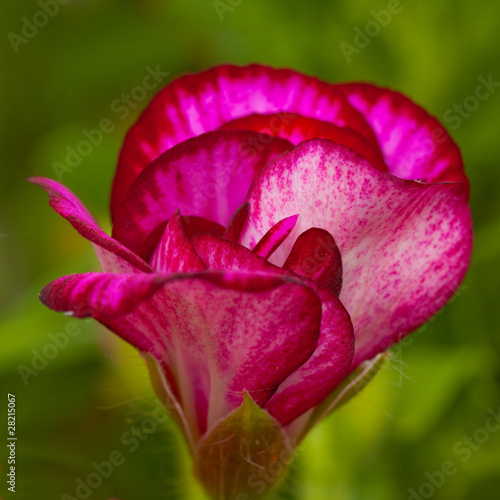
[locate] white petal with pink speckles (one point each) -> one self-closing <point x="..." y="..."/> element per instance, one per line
<point x="405" y="245"/>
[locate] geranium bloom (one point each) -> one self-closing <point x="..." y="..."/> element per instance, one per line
<point x="271" y="234"/>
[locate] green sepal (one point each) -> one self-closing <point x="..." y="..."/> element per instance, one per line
<point x="244" y="455"/>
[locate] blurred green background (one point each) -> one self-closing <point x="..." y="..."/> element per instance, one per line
<point x="425" y="408"/>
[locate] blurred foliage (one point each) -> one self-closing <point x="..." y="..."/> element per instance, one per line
<point x="436" y="390"/>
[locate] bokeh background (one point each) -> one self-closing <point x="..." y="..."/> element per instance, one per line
<point x="92" y="397"/>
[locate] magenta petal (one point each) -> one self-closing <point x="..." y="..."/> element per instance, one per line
<point x="405" y="245"/>
<point x="331" y="361"/>
<point x="328" y="366"/>
<point x="196" y="225"/>
<point x="219" y="254"/>
<point x="235" y="225"/>
<point x="275" y="237"/>
<point x="298" y="128"/>
<point x="113" y="256"/>
<point x="174" y="252"/>
<point x="219" y="333"/>
<point x="195" y="104"/>
<point x="105" y="295"/>
<point x="207" y="176"/>
<point x="273" y="336"/>
<point x="415" y="145"/>
<point x="147" y="247"/>
<point x="191" y="225"/>
<point x="315" y="255"/>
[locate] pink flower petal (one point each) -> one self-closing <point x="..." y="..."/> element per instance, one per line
<point x="235" y="225"/>
<point x="112" y="255"/>
<point x="207" y="176"/>
<point x="314" y="380"/>
<point x="104" y="295"/>
<point x="405" y="245"/>
<point x="275" y="237"/>
<point x="415" y="145"/>
<point x="315" y="255"/>
<point x="297" y="129"/>
<point x="330" y="363"/>
<point x="196" y="225"/>
<point x="219" y="333"/>
<point x="191" y="225"/>
<point x="195" y="104"/>
<point x="174" y="252"/>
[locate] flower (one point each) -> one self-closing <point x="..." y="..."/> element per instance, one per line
<point x="272" y="234"/>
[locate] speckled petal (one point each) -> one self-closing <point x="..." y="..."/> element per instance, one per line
<point x="195" y="104"/>
<point x="207" y="176"/>
<point x="298" y="128"/>
<point x="405" y="245"/>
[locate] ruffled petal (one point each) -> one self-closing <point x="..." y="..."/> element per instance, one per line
<point x="112" y="255"/>
<point x="219" y="333"/>
<point x="207" y="176"/>
<point x="415" y="145"/>
<point x="297" y="129"/>
<point x="405" y="245"/>
<point x="314" y="380"/>
<point x="195" y="104"/>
